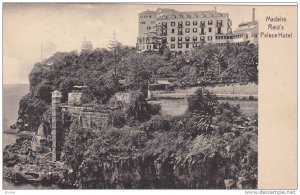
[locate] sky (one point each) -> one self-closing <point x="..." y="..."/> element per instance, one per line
<point x="63" y="27"/>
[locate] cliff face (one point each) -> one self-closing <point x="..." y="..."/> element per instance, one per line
<point x="31" y="113"/>
<point x="67" y="70"/>
<point x="155" y="172"/>
<point x="202" y="171"/>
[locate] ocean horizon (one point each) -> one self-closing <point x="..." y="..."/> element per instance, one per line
<point x="12" y="94"/>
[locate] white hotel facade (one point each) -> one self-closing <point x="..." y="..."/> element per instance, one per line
<point x="186" y="30"/>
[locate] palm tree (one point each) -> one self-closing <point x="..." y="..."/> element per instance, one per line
<point x="243" y="60"/>
<point x="204" y="57"/>
<point x="202" y="107"/>
<point x="220" y="59"/>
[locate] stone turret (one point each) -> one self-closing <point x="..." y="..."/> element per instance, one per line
<point x="56" y="125"/>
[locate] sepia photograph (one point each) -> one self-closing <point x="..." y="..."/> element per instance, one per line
<point x="130" y="96"/>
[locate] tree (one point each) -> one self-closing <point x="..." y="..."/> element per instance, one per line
<point x="138" y="108"/>
<point x="138" y="74"/>
<point x="203" y="57"/>
<point x="202" y="107"/>
<point x="244" y="62"/>
<point x="118" y="51"/>
<point x="159" y="38"/>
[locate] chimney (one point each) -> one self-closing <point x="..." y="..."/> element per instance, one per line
<point x="253" y="14"/>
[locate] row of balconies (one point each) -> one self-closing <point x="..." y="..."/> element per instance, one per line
<point x="181" y="26"/>
<point x="177" y="42"/>
<point x="192" y="41"/>
<point x="187" y="42"/>
<point x="179" y="34"/>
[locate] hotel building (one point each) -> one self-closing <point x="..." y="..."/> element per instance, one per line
<point x="185" y="30"/>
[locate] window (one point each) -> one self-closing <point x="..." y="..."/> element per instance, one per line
<point x="172" y="23"/>
<point x="209" y="38"/>
<point x="179" y="45"/>
<point x="202" y="23"/>
<point x="210" y="22"/>
<point x="219" y="22"/>
<point x="179" y="38"/>
<point x="187" y="45"/>
<point x="195" y="23"/>
<point x="209" y="29"/>
<point x="202" y="31"/>
<point x="187" y="23"/>
<point x="152" y="22"/>
<point x="172" y="46"/>
<point x="148" y="46"/>
<point x="194" y="38"/>
<point x="164" y="33"/>
<point x="148" y="27"/>
<point x="195" y="45"/>
<point x="164" y="25"/>
<point x="172" y="38"/>
<point x="219" y="30"/>
<point x="180" y="24"/>
<point x="194" y="29"/>
<point x="187" y="38"/>
<point x="187" y="30"/>
<point x="149" y="16"/>
<point x="173" y="30"/>
<point x="143" y="22"/>
<point x="179" y="31"/>
<point x="202" y="38"/>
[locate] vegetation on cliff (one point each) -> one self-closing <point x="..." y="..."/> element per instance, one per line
<point x="102" y="69"/>
<point x="210" y="146"/>
<point x="185" y="151"/>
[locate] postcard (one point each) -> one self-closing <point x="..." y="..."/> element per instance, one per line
<point x="149" y="96"/>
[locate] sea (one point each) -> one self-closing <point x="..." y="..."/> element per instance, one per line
<point x="12" y="94"/>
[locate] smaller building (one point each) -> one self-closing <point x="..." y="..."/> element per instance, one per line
<point x="74" y="98"/>
<point x="245" y="32"/>
<point x="120" y="100"/>
<point x="161" y="85"/>
<point x="248" y="32"/>
<point x="123" y="97"/>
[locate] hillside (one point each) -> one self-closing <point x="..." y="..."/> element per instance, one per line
<point x="102" y="69"/>
<point x="211" y="145"/>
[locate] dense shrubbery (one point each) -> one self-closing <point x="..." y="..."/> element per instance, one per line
<point x="168" y="152"/>
<point x="101" y="70"/>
